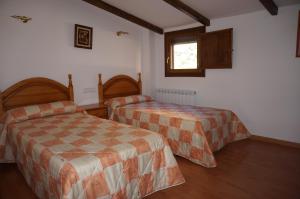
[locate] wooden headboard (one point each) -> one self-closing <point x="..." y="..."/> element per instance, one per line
<point x="36" y="90"/>
<point x="119" y="86"/>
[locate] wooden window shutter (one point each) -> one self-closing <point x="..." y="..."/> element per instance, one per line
<point x="216" y="49"/>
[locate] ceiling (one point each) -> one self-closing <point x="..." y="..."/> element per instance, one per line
<point x="163" y="15"/>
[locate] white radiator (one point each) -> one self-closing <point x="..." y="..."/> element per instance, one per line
<point x="176" y="96"/>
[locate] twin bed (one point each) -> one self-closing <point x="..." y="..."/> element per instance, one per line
<point x="65" y="153"/>
<point x="192" y="132"/>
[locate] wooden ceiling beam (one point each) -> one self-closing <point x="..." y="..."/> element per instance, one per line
<point x="270" y="6"/>
<point x="125" y="15"/>
<point x="188" y="11"/>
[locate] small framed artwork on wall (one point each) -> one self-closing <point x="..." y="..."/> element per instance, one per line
<point x="298" y="38"/>
<point x="83" y="37"/>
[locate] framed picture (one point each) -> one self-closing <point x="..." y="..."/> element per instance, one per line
<point x="298" y="38"/>
<point x="83" y="37"/>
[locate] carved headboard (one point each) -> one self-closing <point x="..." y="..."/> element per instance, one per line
<point x="119" y="86"/>
<point x="36" y="90"/>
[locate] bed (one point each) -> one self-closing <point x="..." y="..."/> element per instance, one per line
<point x="65" y="153"/>
<point x="194" y="133"/>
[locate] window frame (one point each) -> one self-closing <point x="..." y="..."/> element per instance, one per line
<point x="183" y="36"/>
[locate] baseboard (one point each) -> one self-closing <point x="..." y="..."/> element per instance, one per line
<point x="275" y="141"/>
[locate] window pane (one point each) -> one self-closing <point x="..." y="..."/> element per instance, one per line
<point x="185" y="56"/>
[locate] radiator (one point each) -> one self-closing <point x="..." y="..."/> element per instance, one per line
<point x="176" y="96"/>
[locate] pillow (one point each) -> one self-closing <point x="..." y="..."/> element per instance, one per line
<point x="121" y="101"/>
<point x="31" y="112"/>
<point x="41" y="110"/>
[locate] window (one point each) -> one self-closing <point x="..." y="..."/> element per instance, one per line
<point x="190" y="52"/>
<point x="182" y="53"/>
<point x="185" y="55"/>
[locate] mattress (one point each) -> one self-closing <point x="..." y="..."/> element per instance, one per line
<point x="193" y="132"/>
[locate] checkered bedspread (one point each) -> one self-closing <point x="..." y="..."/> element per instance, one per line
<point x="192" y="132"/>
<point x="76" y="155"/>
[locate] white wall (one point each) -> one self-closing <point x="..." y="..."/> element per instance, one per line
<point x="263" y="87"/>
<point x="45" y="46"/>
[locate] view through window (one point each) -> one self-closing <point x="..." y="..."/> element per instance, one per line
<point x="185" y="55"/>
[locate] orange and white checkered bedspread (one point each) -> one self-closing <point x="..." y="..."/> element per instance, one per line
<point x="192" y="132"/>
<point x="76" y="155"/>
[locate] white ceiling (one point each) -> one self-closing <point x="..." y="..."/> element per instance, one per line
<point x="163" y="15"/>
